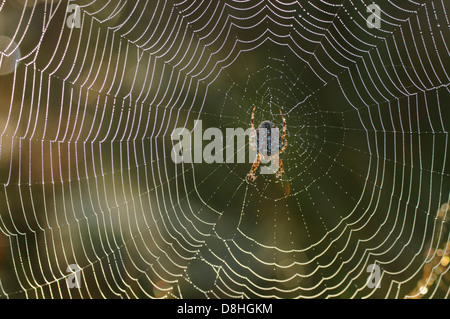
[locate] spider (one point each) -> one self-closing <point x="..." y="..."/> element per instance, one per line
<point x="271" y="152"/>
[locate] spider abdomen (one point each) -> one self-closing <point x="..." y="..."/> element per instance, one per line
<point x="266" y="144"/>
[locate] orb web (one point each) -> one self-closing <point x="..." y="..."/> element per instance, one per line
<point x="85" y="149"/>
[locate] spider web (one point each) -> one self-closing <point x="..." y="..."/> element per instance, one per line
<point x="85" y="149"/>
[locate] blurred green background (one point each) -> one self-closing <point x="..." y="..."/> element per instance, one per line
<point x="85" y="162"/>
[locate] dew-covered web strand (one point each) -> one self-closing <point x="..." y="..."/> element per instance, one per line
<point x="171" y="203"/>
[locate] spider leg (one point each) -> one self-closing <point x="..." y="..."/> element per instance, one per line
<point x="253" y="116"/>
<point x="284" y="147"/>
<point x="252" y="139"/>
<point x="251" y="175"/>
<point x="252" y="134"/>
<point x="283" y="137"/>
<point x="284" y="126"/>
<point x="280" y="167"/>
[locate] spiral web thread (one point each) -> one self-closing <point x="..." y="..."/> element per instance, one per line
<point x="85" y="149"/>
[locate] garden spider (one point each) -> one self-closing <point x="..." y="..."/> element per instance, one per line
<point x="264" y="148"/>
